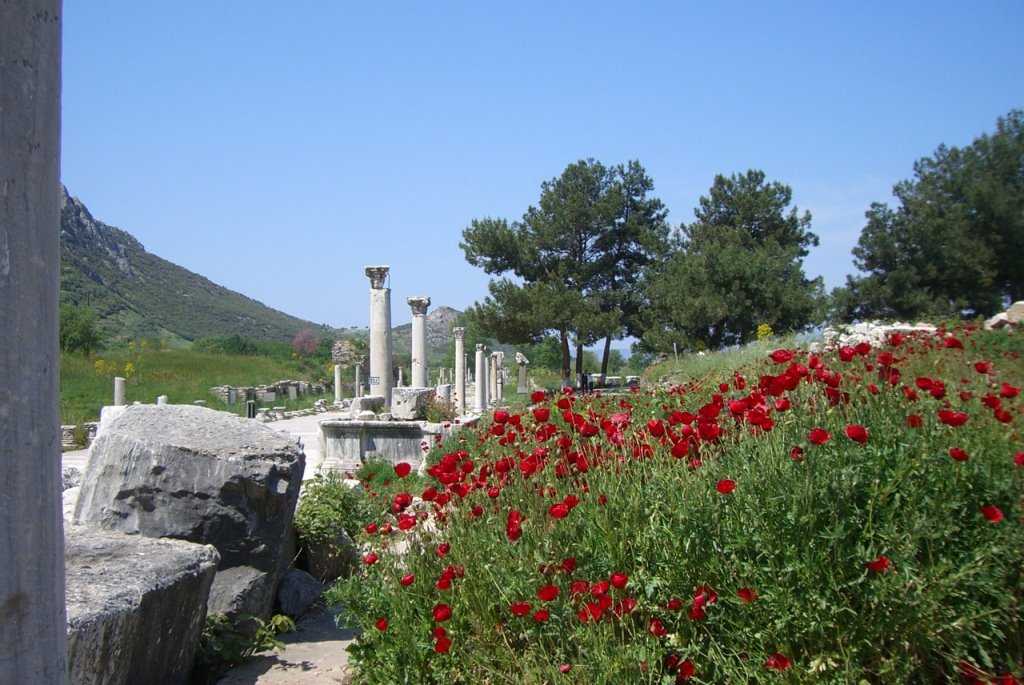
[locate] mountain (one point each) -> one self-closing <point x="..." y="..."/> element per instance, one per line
<point x="137" y="294"/>
<point x="440" y="322"/>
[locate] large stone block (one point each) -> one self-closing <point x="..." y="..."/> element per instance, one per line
<point x="191" y="473"/>
<point x="135" y="606"/>
<point x="371" y="403"/>
<point x="410" y="404"/>
<point x="1015" y="314"/>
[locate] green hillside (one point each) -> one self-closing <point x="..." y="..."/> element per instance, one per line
<point x="139" y="295"/>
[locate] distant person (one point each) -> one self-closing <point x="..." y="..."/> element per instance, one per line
<point x="585" y="381"/>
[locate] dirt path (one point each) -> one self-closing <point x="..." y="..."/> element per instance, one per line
<point x="314" y="653"/>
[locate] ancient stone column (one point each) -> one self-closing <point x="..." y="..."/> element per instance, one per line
<point x="481" y="380"/>
<point x="523" y="362"/>
<point x="118" y="391"/>
<point x="492" y="377"/>
<point x="380" y="333"/>
<point x="33" y="632"/>
<point x="419" y="306"/>
<point x="359" y="380"/>
<point x="337" y="383"/>
<point x="499" y="376"/>
<point x="460" y="370"/>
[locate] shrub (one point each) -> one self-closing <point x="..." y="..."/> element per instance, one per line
<point x="225" y="644"/>
<point x="327" y="507"/>
<point x="834" y="518"/>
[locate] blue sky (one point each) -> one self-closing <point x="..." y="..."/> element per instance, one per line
<point x="278" y="148"/>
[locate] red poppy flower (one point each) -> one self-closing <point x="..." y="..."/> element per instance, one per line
<point x="520" y="608"/>
<point x="371" y="528"/>
<point x="442" y="645"/>
<point x="370" y="559"/>
<point x="407" y="580"/>
<point x="558" y="511"/>
<point x="781" y="356"/>
<point x="991" y="513"/>
<point x="547" y="593"/>
<point x="777" y="662"/>
<point x="857" y="433"/>
<point x="381" y="623"/>
<point x="958" y="454"/>
<point x="746" y="595"/>
<point x="656" y="628"/>
<point x="402" y="469"/>
<point x="541" y="615"/>
<point x="983" y="367"/>
<point x="915" y="421"/>
<point x="952" y="418"/>
<point x="538" y="396"/>
<point x="878" y="565"/>
<point x="568" y="565"/>
<point x="442" y="612"/>
<point x="819" y="436"/>
<point x="1009" y="391"/>
<point x="1018" y="459"/>
<point x="443" y="583"/>
<point x="439" y="632"/>
<point x="796" y="453"/>
<point x="725" y="486"/>
<point x="686" y="670"/>
<point x="564" y="668"/>
<point x="442" y="549"/>
<point x="619" y="580"/>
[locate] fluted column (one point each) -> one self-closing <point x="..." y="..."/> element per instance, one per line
<point x="481" y="380"/>
<point x="380" y="333"/>
<point x="337" y="383"/>
<point x="419" y="306"/>
<point x="33" y="630"/>
<point x="460" y="370"/>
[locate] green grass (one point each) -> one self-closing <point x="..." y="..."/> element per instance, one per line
<point x="87" y="383"/>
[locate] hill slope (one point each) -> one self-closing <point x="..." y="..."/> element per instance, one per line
<point x="137" y="294"/>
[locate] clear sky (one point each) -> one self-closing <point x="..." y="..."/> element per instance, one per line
<point x="278" y="148"/>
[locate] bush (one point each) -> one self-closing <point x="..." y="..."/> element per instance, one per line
<point x="327" y="507"/>
<point x="806" y="518"/>
<point x="225" y="644"/>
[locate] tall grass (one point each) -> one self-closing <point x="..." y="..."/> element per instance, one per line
<point x="87" y="382"/>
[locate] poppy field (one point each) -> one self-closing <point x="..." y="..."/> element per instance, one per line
<point x="849" y="516"/>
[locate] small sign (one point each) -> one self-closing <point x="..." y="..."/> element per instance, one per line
<point x="374" y="380"/>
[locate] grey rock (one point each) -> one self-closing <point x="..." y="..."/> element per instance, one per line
<point x="191" y="473"/>
<point x="70" y="478"/>
<point x="135" y="606"/>
<point x="410" y="404"/>
<point x="371" y="403"/>
<point x="70" y="497"/>
<point x="1015" y="314"/>
<point x="297" y="593"/>
<point x="329" y="562"/>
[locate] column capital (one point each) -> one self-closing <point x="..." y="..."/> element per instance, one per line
<point x="479" y="347"/>
<point x="377" y="274"/>
<point x="419" y="304"/>
<point x="460" y="333"/>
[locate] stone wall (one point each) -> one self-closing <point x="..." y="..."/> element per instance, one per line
<point x="273" y="392"/>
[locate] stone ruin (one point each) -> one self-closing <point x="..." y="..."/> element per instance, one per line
<point x="181" y="511"/>
<point x="273" y="392"/>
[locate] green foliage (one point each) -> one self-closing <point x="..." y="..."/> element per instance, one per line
<point x="954" y="244"/>
<point x="859" y="560"/>
<point x="225" y="644"/>
<point x="439" y="411"/>
<point x="78" y="332"/>
<point x="327" y="507"/>
<point x="577" y="258"/>
<point x="739" y="265"/>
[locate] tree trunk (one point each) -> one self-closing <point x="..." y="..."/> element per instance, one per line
<point x="564" y="339"/>
<point x="604" y="358"/>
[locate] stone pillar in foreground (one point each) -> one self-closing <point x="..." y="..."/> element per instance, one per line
<point x="33" y="631"/>
<point x="119" y="391"/>
<point x="460" y="370"/>
<point x="380" y="333"/>
<point x="419" y="306"/>
<point x="480" y="398"/>
<point x="337" y="383"/>
<point x="359" y="380"/>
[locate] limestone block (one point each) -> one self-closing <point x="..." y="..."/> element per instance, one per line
<point x="998" y="321"/>
<point x="297" y="593"/>
<point x="135" y="606"/>
<point x="410" y="404"/>
<point x="210" y="477"/>
<point x="371" y="403"/>
<point x="1015" y="314"/>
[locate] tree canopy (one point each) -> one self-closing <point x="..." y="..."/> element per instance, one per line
<point x="575" y="259"/>
<point x="954" y="244"/>
<point x="77" y="329"/>
<point x="739" y="265"/>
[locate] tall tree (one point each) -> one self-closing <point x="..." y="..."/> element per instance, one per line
<point x="740" y="264"/>
<point x="561" y="254"/>
<point x="954" y="244"/>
